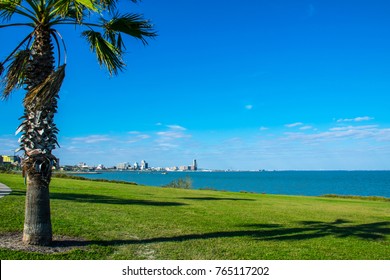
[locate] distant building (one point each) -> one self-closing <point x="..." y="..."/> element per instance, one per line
<point x="68" y="168"/>
<point x="82" y="165"/>
<point x="100" y="167"/>
<point x="136" y="166"/>
<point x="14" y="160"/>
<point x="122" y="166"/>
<point x="194" y="166"/>
<point x="185" y="168"/>
<point x="173" y="168"/>
<point x="144" y="165"/>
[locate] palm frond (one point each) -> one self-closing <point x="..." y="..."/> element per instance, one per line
<point x="131" y="24"/>
<point x="65" y="8"/>
<point x="90" y="5"/>
<point x="16" y="72"/>
<point x="110" y="5"/>
<point x="55" y="33"/>
<point x="73" y="9"/>
<point x="9" y="8"/>
<point x="107" y="53"/>
<point x="43" y="94"/>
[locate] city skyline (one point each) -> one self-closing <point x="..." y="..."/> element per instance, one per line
<point x="144" y="165"/>
<point x="253" y="85"/>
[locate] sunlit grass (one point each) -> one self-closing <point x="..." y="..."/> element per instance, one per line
<point x="121" y="221"/>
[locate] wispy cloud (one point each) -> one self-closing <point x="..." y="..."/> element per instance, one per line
<point x="92" y="139"/>
<point x="293" y="124"/>
<point x="249" y="107"/>
<point x="343" y="133"/>
<point x="171" y="137"/>
<point x="176" y="127"/>
<point x="357" y="119"/>
<point x="136" y="136"/>
<point x="306" y="127"/>
<point x="352" y="127"/>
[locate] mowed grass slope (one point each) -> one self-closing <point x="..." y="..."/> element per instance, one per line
<point x="118" y="221"/>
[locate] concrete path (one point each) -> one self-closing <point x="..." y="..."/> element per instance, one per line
<point x="4" y="190"/>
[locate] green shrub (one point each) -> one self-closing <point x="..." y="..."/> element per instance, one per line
<point x="180" y="183"/>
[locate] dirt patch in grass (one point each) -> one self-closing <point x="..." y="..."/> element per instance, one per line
<point x="60" y="244"/>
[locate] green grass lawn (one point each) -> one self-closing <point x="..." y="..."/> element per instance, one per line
<point x="119" y="221"/>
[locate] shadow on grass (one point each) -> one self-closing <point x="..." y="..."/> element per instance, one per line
<point x="266" y="232"/>
<point x="339" y="228"/>
<point x="94" y="198"/>
<point x="18" y="193"/>
<point x="104" y="199"/>
<point x="218" y="198"/>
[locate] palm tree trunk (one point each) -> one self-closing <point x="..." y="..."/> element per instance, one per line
<point x="37" y="224"/>
<point x="37" y="140"/>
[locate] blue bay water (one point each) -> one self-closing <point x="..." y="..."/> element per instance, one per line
<point x="309" y="183"/>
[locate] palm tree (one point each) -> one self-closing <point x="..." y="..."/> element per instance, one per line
<point x="37" y="64"/>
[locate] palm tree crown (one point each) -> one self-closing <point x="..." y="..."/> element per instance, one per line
<point x="103" y="35"/>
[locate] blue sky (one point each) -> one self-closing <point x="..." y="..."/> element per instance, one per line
<point x="254" y="84"/>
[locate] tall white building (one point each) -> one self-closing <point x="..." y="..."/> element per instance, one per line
<point x="144" y="165"/>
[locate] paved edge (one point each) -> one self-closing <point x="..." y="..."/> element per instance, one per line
<point x="4" y="190"/>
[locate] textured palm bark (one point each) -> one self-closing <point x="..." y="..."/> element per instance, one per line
<point x="37" y="224"/>
<point x="38" y="130"/>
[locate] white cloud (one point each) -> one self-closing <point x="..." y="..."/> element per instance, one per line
<point x="357" y="119"/>
<point x="92" y="139"/>
<point x="372" y="132"/>
<point x="306" y="127"/>
<point x="169" y="135"/>
<point x="143" y="136"/>
<point x="351" y="127"/>
<point x="263" y="128"/>
<point x="176" y="127"/>
<point x="170" y="138"/>
<point x="167" y="146"/>
<point x="294" y="124"/>
<point x="137" y="138"/>
<point x="249" y="107"/>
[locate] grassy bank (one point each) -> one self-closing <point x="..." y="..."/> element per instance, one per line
<point x="122" y="221"/>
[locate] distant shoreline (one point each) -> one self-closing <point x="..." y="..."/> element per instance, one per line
<point x="78" y="172"/>
<point x="311" y="183"/>
<point x="220" y="170"/>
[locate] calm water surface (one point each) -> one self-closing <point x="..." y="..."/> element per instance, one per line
<point x="312" y="183"/>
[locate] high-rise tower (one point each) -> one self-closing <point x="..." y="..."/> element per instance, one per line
<point x="194" y="165"/>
